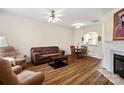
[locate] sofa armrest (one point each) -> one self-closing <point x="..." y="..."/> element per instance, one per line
<point x="35" y="79"/>
<point x="35" y="57"/>
<point x="17" y="69"/>
<point x="62" y="52"/>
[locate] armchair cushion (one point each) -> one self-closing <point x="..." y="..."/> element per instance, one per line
<point x="21" y="56"/>
<point x="20" y="60"/>
<point x="35" y="78"/>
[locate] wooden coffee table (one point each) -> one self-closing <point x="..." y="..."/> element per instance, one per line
<point x="58" y="61"/>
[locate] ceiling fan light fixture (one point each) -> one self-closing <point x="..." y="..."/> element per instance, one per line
<point x="57" y="19"/>
<point x="50" y="19"/>
<point x="54" y="21"/>
<point x="77" y="26"/>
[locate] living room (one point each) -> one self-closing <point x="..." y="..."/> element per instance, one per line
<point x="23" y="30"/>
<point x="28" y="29"/>
<point x="60" y="43"/>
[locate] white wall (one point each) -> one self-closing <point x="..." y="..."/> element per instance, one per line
<point x="94" y="51"/>
<point x="78" y="33"/>
<point x="24" y="33"/>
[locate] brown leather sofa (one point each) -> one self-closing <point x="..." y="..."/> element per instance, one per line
<point x="9" y="51"/>
<point x="41" y="54"/>
<point x="16" y="76"/>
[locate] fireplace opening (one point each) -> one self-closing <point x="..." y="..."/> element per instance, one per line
<point x="119" y="65"/>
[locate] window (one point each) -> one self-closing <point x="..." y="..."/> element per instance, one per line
<point x="3" y="41"/>
<point x="91" y="38"/>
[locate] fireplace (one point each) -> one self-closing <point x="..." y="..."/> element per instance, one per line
<point x="119" y="65"/>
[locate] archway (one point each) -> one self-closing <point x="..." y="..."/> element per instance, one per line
<point x="91" y="38"/>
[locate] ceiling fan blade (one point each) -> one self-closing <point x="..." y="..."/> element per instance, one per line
<point x="46" y="14"/>
<point x="44" y="17"/>
<point x="58" y="19"/>
<point x="58" y="15"/>
<point x="59" y="10"/>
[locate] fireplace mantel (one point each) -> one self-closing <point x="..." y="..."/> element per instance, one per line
<point x="115" y="45"/>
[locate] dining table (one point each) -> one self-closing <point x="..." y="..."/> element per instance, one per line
<point x="78" y="52"/>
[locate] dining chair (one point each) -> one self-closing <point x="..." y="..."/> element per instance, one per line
<point x="73" y="53"/>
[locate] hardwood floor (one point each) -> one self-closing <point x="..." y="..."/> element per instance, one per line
<point x="77" y="72"/>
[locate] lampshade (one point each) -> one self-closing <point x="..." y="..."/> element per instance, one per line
<point x="3" y="41"/>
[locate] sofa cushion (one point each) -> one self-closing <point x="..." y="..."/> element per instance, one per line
<point x="47" y="52"/>
<point x="52" y="49"/>
<point x="52" y="54"/>
<point x="43" y="57"/>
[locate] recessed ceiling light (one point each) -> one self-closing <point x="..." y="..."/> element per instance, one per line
<point x="78" y="25"/>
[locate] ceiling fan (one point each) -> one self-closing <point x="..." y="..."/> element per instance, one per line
<point x="52" y="17"/>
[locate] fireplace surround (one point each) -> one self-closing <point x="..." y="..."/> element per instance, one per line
<point x="109" y="49"/>
<point x="119" y="65"/>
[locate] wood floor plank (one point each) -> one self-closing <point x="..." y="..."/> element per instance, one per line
<point x="78" y="72"/>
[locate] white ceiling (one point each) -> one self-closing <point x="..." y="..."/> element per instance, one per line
<point x="70" y="15"/>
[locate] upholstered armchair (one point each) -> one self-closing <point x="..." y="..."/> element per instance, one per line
<point x="9" y="51"/>
<point x="16" y="76"/>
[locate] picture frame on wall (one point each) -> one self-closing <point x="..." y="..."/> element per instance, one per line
<point x="99" y="38"/>
<point x="118" y="33"/>
<point x="82" y="38"/>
